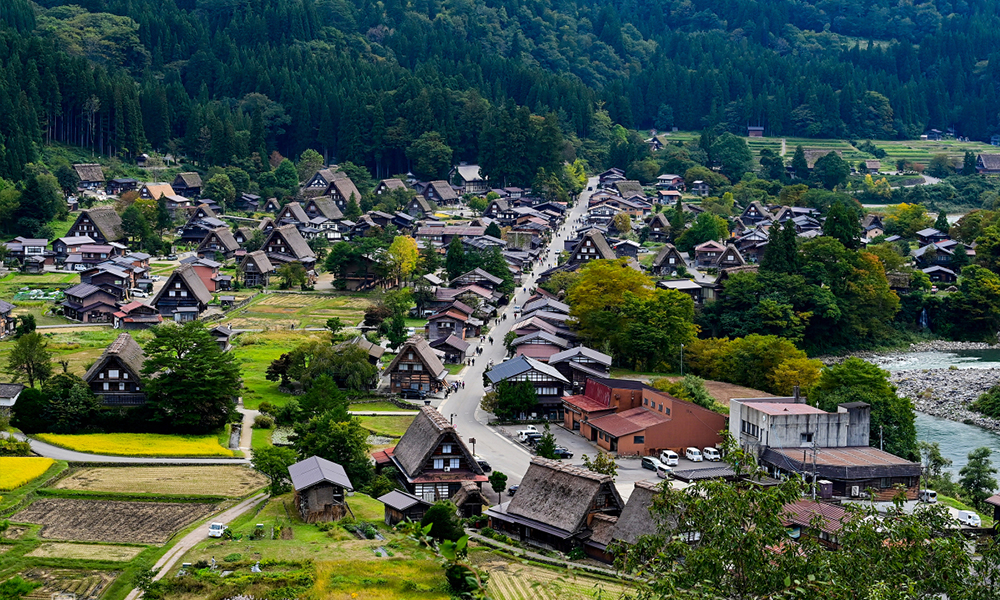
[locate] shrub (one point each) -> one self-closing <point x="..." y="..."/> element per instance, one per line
<point x="263" y="422"/>
<point x="989" y="403"/>
<point x="235" y="556"/>
<point x="267" y="408"/>
<point x="445" y="524"/>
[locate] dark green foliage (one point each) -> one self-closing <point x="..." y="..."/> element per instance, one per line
<point x="15" y="588"/>
<point x="988" y="403"/>
<point x="498" y="482"/>
<point x="494" y="230"/>
<point x="842" y="224"/>
<point x="444" y="521"/>
<point x="941" y="223"/>
<point x="195" y="384"/>
<point x="344" y="442"/>
<point x="514" y="399"/>
<point x="782" y="252"/>
<point x="71" y="407"/>
<point x="831" y="171"/>
<point x="546" y="446"/>
<point x="977" y="477"/>
<point x="273" y="463"/>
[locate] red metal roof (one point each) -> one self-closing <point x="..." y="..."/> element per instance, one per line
<point x="585" y="403"/>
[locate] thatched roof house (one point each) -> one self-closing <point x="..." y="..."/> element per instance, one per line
<point x="115" y="377"/>
<point x="556" y="504"/>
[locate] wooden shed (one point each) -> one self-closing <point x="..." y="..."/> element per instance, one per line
<point x="320" y="489"/>
<point x="403" y="506"/>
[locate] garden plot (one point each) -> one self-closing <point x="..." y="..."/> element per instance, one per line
<point x="231" y="481"/>
<point x="87" y="552"/>
<point x="109" y="521"/>
<point x="86" y="585"/>
<point x="284" y="311"/>
<point x="516" y="581"/>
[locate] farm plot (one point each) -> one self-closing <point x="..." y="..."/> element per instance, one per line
<point x="284" y="311"/>
<point x="86" y="585"/>
<point x="16" y="471"/>
<point x="87" y="552"/>
<point x="231" y="481"/>
<point x="516" y="581"/>
<point x="110" y="521"/>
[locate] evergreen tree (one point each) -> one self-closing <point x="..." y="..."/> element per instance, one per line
<point x="799" y="163"/>
<point x="941" y="223"/>
<point x="454" y="262"/>
<point x="781" y="255"/>
<point x="969" y="163"/>
<point x="842" y="224"/>
<point x="494" y="230"/>
<point x="352" y="211"/>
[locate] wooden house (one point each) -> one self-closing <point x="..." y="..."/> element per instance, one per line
<point x="293" y="212"/>
<point x="285" y="245"/>
<point x="479" y="277"/>
<point x="416" y="367"/>
<point x="440" y="192"/>
<point x="153" y="191"/>
<point x="136" y="315"/>
<point x="116" y="377"/>
<point x="102" y="224"/>
<point x="255" y="269"/>
<point x="322" y="206"/>
<point x="184" y="296"/>
<point x="556" y="505"/>
<point x="820" y="521"/>
<point x="469" y="179"/>
<point x="8" y="321"/>
<point x="635" y="521"/>
<point x="187" y="185"/>
<point x="89" y="304"/>
<point x="403" y="506"/>
<point x="66" y="246"/>
<point x="592" y="246"/>
<point x="91" y="176"/>
<point x="117" y="187"/>
<point x="219" y="243"/>
<point x="700" y="188"/>
<point x="550" y="384"/>
<point x="386" y="186"/>
<point x="454" y="348"/>
<point x="756" y="212"/>
<point x="755" y="131"/>
<point x="707" y="255"/>
<point x="988" y="164"/>
<point x="432" y="460"/>
<point x="667" y="261"/>
<point x="341" y="190"/>
<point x="320" y="181"/>
<point x="420" y="207"/>
<point x="939" y="274"/>
<point x="659" y="228"/>
<point x="627" y="249"/>
<point x="579" y="364"/>
<point x="452" y="322"/>
<point x="271" y="205"/>
<point x="321" y="488"/>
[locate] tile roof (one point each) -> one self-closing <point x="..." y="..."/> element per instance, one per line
<point x="522" y="364"/>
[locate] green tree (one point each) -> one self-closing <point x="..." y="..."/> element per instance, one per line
<point x="843" y="225"/>
<point x="602" y="463"/>
<point x="190" y="383"/>
<point x="402" y="257"/>
<point x="733" y="155"/>
<point x="906" y="220"/>
<point x="939" y="166"/>
<point x="430" y="156"/>
<point x="653" y="330"/>
<point x="781" y="255"/>
<point x="978" y="303"/>
<point x="498" y="481"/>
<point x="800" y="165"/>
<point x="892" y="417"/>
<point x="597" y="297"/>
<point x="976" y="477"/>
<point x="25" y="324"/>
<point x="343" y="442"/>
<point x="220" y="189"/>
<point x="429" y="260"/>
<point x="478" y="204"/>
<point x="494" y="230"/>
<point x="30" y="359"/>
<point x="335" y="325"/>
<point x="831" y="171"/>
<point x="71" y="406"/>
<point x="514" y="398"/>
<point x="546" y="446"/>
<point x="969" y="163"/>
<point x="454" y="261"/>
<point x="286" y="176"/>
<point x="706" y="227"/>
<point x="292" y="274"/>
<point x="273" y="462"/>
<point x="772" y="166"/>
<point x="444" y="521"/>
<point x="352" y="211"/>
<point x="310" y="162"/>
<point x="941" y="223"/>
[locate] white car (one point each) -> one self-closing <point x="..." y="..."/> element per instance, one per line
<point x="693" y="455"/>
<point x="711" y="454"/>
<point x="669" y="458"/>
<point x="139" y="293"/>
<point x="216" y="530"/>
<point x="969" y="518"/>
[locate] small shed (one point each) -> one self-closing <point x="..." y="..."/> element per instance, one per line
<point x="994" y="501"/>
<point x="320" y="489"/>
<point x="402" y="506"/>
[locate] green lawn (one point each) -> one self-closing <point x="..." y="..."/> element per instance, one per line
<point x="958" y="504"/>
<point x="260" y="438"/>
<point x="13" y="282"/>
<point x="375" y="407"/>
<point x="255" y="351"/>
<point x="454" y="369"/>
<point x="390" y="426"/>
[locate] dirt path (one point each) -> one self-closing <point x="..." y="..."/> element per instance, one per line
<point x="168" y="560"/>
<point x="783" y="149"/>
<point x="246" y="434"/>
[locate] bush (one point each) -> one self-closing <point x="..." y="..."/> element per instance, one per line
<point x="267" y="408"/>
<point x="235" y="556"/>
<point x="989" y="403"/>
<point x="445" y="524"/>
<point x="263" y="422"/>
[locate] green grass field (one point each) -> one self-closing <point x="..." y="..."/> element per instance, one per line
<point x="392" y="426"/>
<point x="376" y="407"/>
<point x="284" y="311"/>
<point x="255" y="351"/>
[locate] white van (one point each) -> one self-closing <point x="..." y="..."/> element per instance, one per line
<point x="969" y="518"/>
<point x="693" y="455"/>
<point x="669" y="458"/>
<point x="928" y="496"/>
<point x="711" y="454"/>
<point x="664" y="472"/>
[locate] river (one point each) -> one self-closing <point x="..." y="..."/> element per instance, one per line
<point x="955" y="439"/>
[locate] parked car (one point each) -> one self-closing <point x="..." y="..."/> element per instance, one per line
<point x="651" y="463"/>
<point x="512" y="490"/>
<point x="411" y="394"/>
<point x="138" y="293"/>
<point x="561" y="452"/>
<point x="485" y="466"/>
<point x="928" y="496"/>
<point x="711" y="454"/>
<point x="693" y="455"/>
<point x="969" y="518"/>
<point x="216" y="530"/>
<point x="532" y="438"/>
<point x="410" y="331"/>
<point x="664" y="472"/>
<point x="669" y="458"/>
<point x="171" y="257"/>
<point x="522" y="433"/>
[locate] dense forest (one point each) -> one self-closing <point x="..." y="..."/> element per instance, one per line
<point x="362" y="81"/>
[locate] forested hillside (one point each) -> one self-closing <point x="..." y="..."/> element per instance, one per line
<point x="363" y="81"/>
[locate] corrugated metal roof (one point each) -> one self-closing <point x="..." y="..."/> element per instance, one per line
<point x="314" y="470"/>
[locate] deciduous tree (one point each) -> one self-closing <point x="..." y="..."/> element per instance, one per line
<point x="273" y="462"/>
<point x="30" y="359"/>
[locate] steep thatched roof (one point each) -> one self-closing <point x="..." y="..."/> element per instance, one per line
<point x="294" y="240"/>
<point x="560" y="495"/>
<point x="89" y="172"/>
<point x="422" y="350"/>
<point x="636" y="520"/>
<point x="225" y="237"/>
<point x="345" y="188"/>
<point x="187" y="181"/>
<point x="327" y="207"/>
<point x="107" y="222"/>
<point x="189" y="277"/>
<point x="423" y="436"/>
<point x="260" y="259"/>
<point x="598" y="242"/>
<point x="628" y="187"/>
<point x="665" y="252"/>
<point x="295" y="212"/>
<point x="125" y="349"/>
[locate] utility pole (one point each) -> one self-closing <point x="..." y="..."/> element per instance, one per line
<point x="682" y="360"/>
<point x="815" y="451"/>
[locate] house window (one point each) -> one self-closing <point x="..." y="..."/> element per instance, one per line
<point x="177" y="284"/>
<point x="404" y="367"/>
<point x="121" y="387"/>
<point x="113" y="373"/>
<point x="806" y="438"/>
<point x="453" y="463"/>
<point x="172" y="293"/>
<point x="418" y="367"/>
<point x="661" y="407"/>
<point x="639" y="439"/>
<point x="184" y="294"/>
<point x="106" y="387"/>
<point x="438" y="463"/>
<point x="446" y="449"/>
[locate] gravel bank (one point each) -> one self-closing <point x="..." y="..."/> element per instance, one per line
<point x="947" y="393"/>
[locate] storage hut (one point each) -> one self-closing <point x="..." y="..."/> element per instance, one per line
<point x="320" y="489"/>
<point x="403" y="506"/>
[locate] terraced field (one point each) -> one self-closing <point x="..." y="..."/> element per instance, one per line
<point x="516" y="581"/>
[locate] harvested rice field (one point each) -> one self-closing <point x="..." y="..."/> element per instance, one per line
<point x="87" y="552"/>
<point x="110" y="521"/>
<point x="511" y="580"/>
<point x="298" y="311"/>
<point x="230" y="481"/>
<point x="86" y="585"/>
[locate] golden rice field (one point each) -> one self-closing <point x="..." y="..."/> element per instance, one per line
<point x="17" y="471"/>
<point x="139" y="444"/>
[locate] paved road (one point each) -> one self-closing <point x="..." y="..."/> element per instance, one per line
<point x="502" y="453"/>
<point x="168" y="560"/>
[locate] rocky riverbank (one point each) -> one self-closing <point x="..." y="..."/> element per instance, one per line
<point x="882" y="357"/>
<point x="947" y="393"/>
